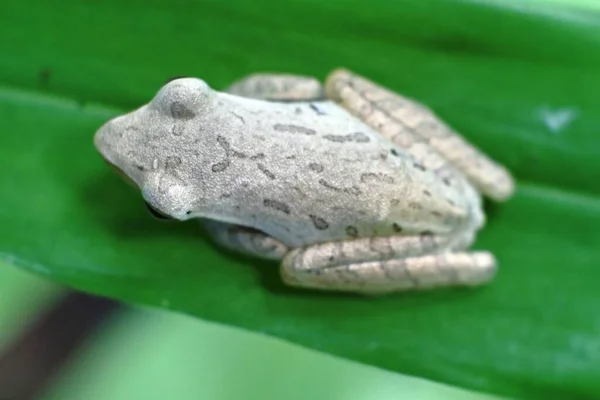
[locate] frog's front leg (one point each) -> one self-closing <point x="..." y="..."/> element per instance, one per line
<point x="386" y="264"/>
<point x="245" y="240"/>
<point x="278" y="87"/>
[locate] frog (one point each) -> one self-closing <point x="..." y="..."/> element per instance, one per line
<point x="346" y="184"/>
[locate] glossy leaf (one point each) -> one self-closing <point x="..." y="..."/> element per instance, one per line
<point x="521" y="82"/>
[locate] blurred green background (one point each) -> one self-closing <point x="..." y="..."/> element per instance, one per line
<point x="154" y="355"/>
<point x="518" y="77"/>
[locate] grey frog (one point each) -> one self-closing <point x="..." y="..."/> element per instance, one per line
<point x="353" y="187"/>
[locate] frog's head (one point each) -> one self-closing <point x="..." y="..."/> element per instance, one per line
<point x="151" y="146"/>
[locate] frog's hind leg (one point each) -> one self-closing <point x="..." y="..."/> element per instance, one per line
<point x="386" y="264"/>
<point x="245" y="240"/>
<point x="278" y="87"/>
<point x="415" y="128"/>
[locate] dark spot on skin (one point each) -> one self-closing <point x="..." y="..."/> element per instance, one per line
<point x="265" y="171"/>
<point x="172" y="162"/>
<point x="426" y="233"/>
<point x="396" y="228"/>
<point x="140" y="167"/>
<point x="180" y="110"/>
<point x="437" y="214"/>
<point x="323" y="182"/>
<point x="316" y="109"/>
<point x="415" y="206"/>
<point x="379" y="177"/>
<point x="294" y="129"/>
<point x="239" y="117"/>
<point x="188" y="212"/>
<point x="238" y="154"/>
<point x="316" y="167"/>
<point x="258" y="156"/>
<point x="225" y="196"/>
<point x="291" y="157"/>
<point x="177" y="130"/>
<point x="336" y="138"/>
<point x="394" y="152"/>
<point x="44" y="76"/>
<point x="358" y="137"/>
<point x="352" y="190"/>
<point x="224" y="143"/>
<point x="351" y="231"/>
<point x="446" y="181"/>
<point x="277" y="205"/>
<point x="427" y="193"/>
<point x="220" y="167"/>
<point x="331" y="258"/>
<point x="319" y="223"/>
<point x="419" y="166"/>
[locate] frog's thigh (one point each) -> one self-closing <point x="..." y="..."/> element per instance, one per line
<point x="413" y="126"/>
<point x="374" y="266"/>
<point x="278" y="87"/>
<point x="245" y="240"/>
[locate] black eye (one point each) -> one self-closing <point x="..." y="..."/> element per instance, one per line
<point x="155" y="213"/>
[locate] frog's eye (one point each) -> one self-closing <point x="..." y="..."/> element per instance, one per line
<point x="155" y="213"/>
<point x="182" y="98"/>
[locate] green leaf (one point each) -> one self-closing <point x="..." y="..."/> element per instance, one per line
<point x="519" y="80"/>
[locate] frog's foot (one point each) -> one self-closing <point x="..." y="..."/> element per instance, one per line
<point x="415" y="128"/>
<point x="245" y="240"/>
<point x="278" y="87"/>
<point x="384" y="265"/>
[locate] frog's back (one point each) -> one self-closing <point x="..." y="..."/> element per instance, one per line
<point x="311" y="172"/>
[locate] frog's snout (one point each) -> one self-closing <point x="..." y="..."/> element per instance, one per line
<point x="107" y="147"/>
